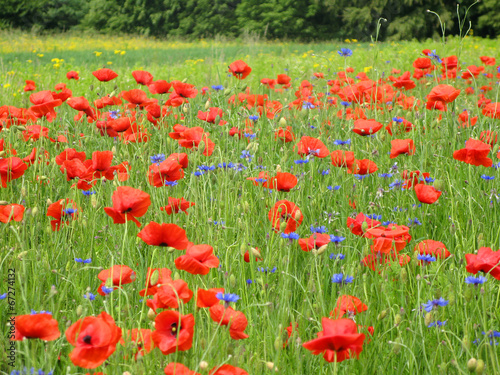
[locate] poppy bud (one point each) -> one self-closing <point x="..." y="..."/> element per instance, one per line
<point x="93" y="201"/>
<point x="184" y="80"/>
<point x="155" y="276"/>
<point x="113" y="150"/>
<point x="439" y="184"/>
<point x="79" y="311"/>
<point x="297" y="215"/>
<point x="382" y="137"/>
<point x="203" y="365"/>
<point x="278" y="343"/>
<point x="23" y="192"/>
<point x="404" y="275"/>
<point x="278" y="168"/>
<point x="243" y="249"/>
<point x="364" y="226"/>
<point x="480" y="367"/>
<point x="271" y="366"/>
<point x="139" y="356"/>
<point x="3" y="203"/>
<point x="21" y="255"/>
<point x="256" y="253"/>
<point x="91" y="87"/>
<point x="283" y="226"/>
<point x="2" y="153"/>
<point x="151" y="315"/>
<point x="246" y="206"/>
<point x="428" y="318"/>
<point x="472" y="364"/>
<point x="176" y="276"/>
<point x="232" y="281"/>
<point x="227" y="92"/>
<point x="495" y="149"/>
<point x="170" y="249"/>
<point x="201" y="147"/>
<point x="382" y="315"/>
<point x="282" y="121"/>
<point x="185" y="108"/>
<point x="230" y="350"/>
<point x="207" y="104"/>
<point x="321" y="250"/>
<point x="466" y="342"/>
<point x="397" y="319"/>
<point x="396" y="349"/>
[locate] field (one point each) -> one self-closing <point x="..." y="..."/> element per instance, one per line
<point x="330" y="193"/>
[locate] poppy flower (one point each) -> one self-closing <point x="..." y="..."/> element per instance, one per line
<point x="169" y="295"/>
<point x="492" y="110"/>
<point x="94" y="339"/>
<point x="9" y="212"/>
<point x="198" y="259"/>
<point x="35" y="132"/>
<point x="155" y="277"/>
<point x="489" y="137"/>
<point x="240" y="69"/>
<point x="159" y="87"/>
<point x="312" y="146"/>
<point x="30" y="86"/>
<point x="165" y="235"/>
<point x="105" y="74"/>
<point x="173" y="331"/>
<point x="287" y="213"/>
<point x="404" y="82"/>
<point x="402" y="146"/>
<point x="82" y="104"/>
<point x="347" y="304"/>
<point x="315" y="241"/>
<point x="486" y="260"/>
<point x="176" y="205"/>
<point x="363" y="166"/>
<point x="356" y="225"/>
<point x="487" y="60"/>
<point x="142" y="340"/>
<point x="184" y="90"/>
<point x="36" y="326"/>
<point x="475" y="153"/>
<point x="62" y="212"/>
<point x="426" y="193"/>
<point x="443" y="93"/>
<point x="212" y="115"/>
<point x="128" y="204"/>
<point x="142" y="77"/>
<point x="227" y="370"/>
<point x="286" y="135"/>
<point x="227" y="316"/>
<point x="366" y="127"/>
<point x="431" y="247"/>
<point x="338" y="341"/>
<point x="119" y="274"/>
<point x="283" y="181"/>
<point x="174" y="368"/>
<point x="342" y="158"/>
<point x="208" y="298"/>
<point x="422" y="63"/>
<point x="72" y="75"/>
<point x="465" y="120"/>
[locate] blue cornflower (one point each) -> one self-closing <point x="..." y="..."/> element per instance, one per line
<point x="69" y="211"/>
<point x="397" y="119"/>
<point x="388" y="222"/>
<point x="385" y="175"/>
<point x="498" y="69"/>
<point x="496" y="166"/>
<point x="339" y="278"/>
<point x="248" y="135"/>
<point x="206" y="167"/>
<point x="240" y="167"/>
<point x="417" y="205"/>
<point x="308" y="105"/>
<point x="219" y="222"/>
<point x="89" y="296"/>
<point x="249" y="281"/>
<point x="487" y="178"/>
<point x="266" y="270"/>
<point x="345" y="52"/>
<point x="336" y="239"/>
<point x="345" y="104"/>
<point x="434" y="303"/>
<point x="84" y="261"/>
<point x="395" y="184"/>
<point x="291" y="236"/>
<point x="332" y="188"/>
<point x="321" y="229"/>
<point x="114" y="114"/>
<point x="225" y="165"/>
<point x="339" y="142"/>
<point x="253" y="117"/>
<point x="157" y="159"/>
<point x="414" y="222"/>
<point x="301" y="161"/>
<point x="198" y="173"/>
<point x="246" y="155"/>
<point x="361" y="176"/>
<point x="475" y="280"/>
<point x="435" y="57"/>
<point x="106" y="290"/>
<point x="3" y="296"/>
<point x="374" y="216"/>
<point x="262" y="180"/>
<point x="426" y="258"/>
<point x="437" y="323"/>
<point x="88" y="192"/>
<point x="171" y="183"/>
<point x="33" y="312"/>
<point x="324" y="172"/>
<point x="218" y="87"/>
<point x="228" y="297"/>
<point x="428" y="180"/>
<point x="337" y="256"/>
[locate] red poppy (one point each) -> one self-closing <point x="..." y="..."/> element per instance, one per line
<point x="487" y="60"/>
<point x="315" y="241"/>
<point x="357" y="225"/>
<point x="119" y="275"/>
<point x="173" y="331"/>
<point x="165" y="235"/>
<point x="376" y="262"/>
<point x="402" y="146"/>
<point x="286" y="135"/>
<point x="366" y="127"/>
<point x="338" y="341"/>
<point x="287" y="213"/>
<point x="363" y="166"/>
<point x="227" y="370"/>
<point x="465" y="121"/>
<point x="36" y="326"/>
<point x="312" y="146"/>
<point x="142" y="77"/>
<point x="283" y="181"/>
<point x="106" y="101"/>
<point x="343" y="159"/>
<point x="283" y="79"/>
<point x="184" y="90"/>
<point x="35" y="132"/>
<point x="239" y="69"/>
<point x="213" y="114"/>
<point x="82" y="104"/>
<point x="10" y="169"/>
<point x="159" y="87"/>
<point x="170" y="294"/>
<point x="404" y="82"/>
<point x="9" y="212"/>
<point x="226" y="316"/>
<point x="30" y="86"/>
<point x="488" y="136"/>
<point x="128" y="204"/>
<point x="62" y="211"/>
<point x="427" y="193"/>
<point x="431" y="247"/>
<point x="443" y="94"/>
<point x="486" y="260"/>
<point x="137" y="97"/>
<point x="105" y="74"/>
<point x="347" y="304"/>
<point x="176" y="205"/>
<point x="475" y="153"/>
<point x="492" y="110"/>
<point x="72" y="75"/>
<point x="142" y="340"/>
<point x="198" y="259"/>
<point x="94" y="338"/>
<point x="472" y="71"/>
<point x="155" y="277"/>
<point x="207" y="298"/>
<point x="175" y="368"/>
<point x="422" y="63"/>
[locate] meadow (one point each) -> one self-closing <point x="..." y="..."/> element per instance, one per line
<point x="326" y="191"/>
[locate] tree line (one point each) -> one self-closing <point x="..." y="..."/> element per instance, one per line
<point x="284" y="19"/>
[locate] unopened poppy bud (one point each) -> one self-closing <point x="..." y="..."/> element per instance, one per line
<point x="79" y="311"/>
<point x="479" y="367"/>
<point x="176" y="276"/>
<point x="184" y="80"/>
<point x="227" y="92"/>
<point x="113" y="150"/>
<point x="397" y="319"/>
<point x="138" y="355"/>
<point x="495" y="149"/>
<point x="170" y="249"/>
<point x="2" y="153"/>
<point x="382" y="137"/>
<point x="246" y="206"/>
<point x="466" y="342"/>
<point x="207" y="104"/>
<point x="151" y="315"/>
<point x="185" y="108"/>
<point x="256" y="253"/>
<point x="278" y="343"/>
<point x="3" y="203"/>
<point x="91" y="87"/>
<point x="428" y="318"/>
<point x="278" y="168"/>
<point x="298" y="215"/>
<point x="155" y="276"/>
<point x="23" y="192"/>
<point x="93" y="201"/>
<point x="364" y="226"/>
<point x="243" y="249"/>
<point x="21" y="255"/>
<point x="404" y="275"/>
<point x="322" y="249"/>
<point x="439" y="184"/>
<point x="203" y="365"/>
<point x="282" y="121"/>
<point x="382" y="315"/>
<point x="270" y="366"/>
<point x="396" y="349"/>
<point x="472" y="364"/>
<point x="283" y="226"/>
<point x="201" y="147"/>
<point x="232" y="281"/>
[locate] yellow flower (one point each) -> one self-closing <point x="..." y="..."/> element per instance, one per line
<point x="29" y="61"/>
<point x="315" y="65"/>
<point x="39" y="54"/>
<point x="354" y="40"/>
<point x="347" y="41"/>
<point x="56" y="60"/>
<point x="123" y="52"/>
<point x="11" y="73"/>
<point x="117" y="51"/>
<point x="57" y="65"/>
<point x="7" y="85"/>
<point x="109" y="62"/>
<point x="97" y="53"/>
<point x="368" y="68"/>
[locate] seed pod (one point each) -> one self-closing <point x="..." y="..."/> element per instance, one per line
<point x="382" y="315"/>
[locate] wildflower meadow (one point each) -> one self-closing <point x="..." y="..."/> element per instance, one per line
<point x="222" y="208"/>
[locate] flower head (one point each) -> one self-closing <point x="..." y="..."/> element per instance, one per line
<point x="345" y="52"/>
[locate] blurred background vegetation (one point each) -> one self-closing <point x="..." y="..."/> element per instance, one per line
<point x="303" y="20"/>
